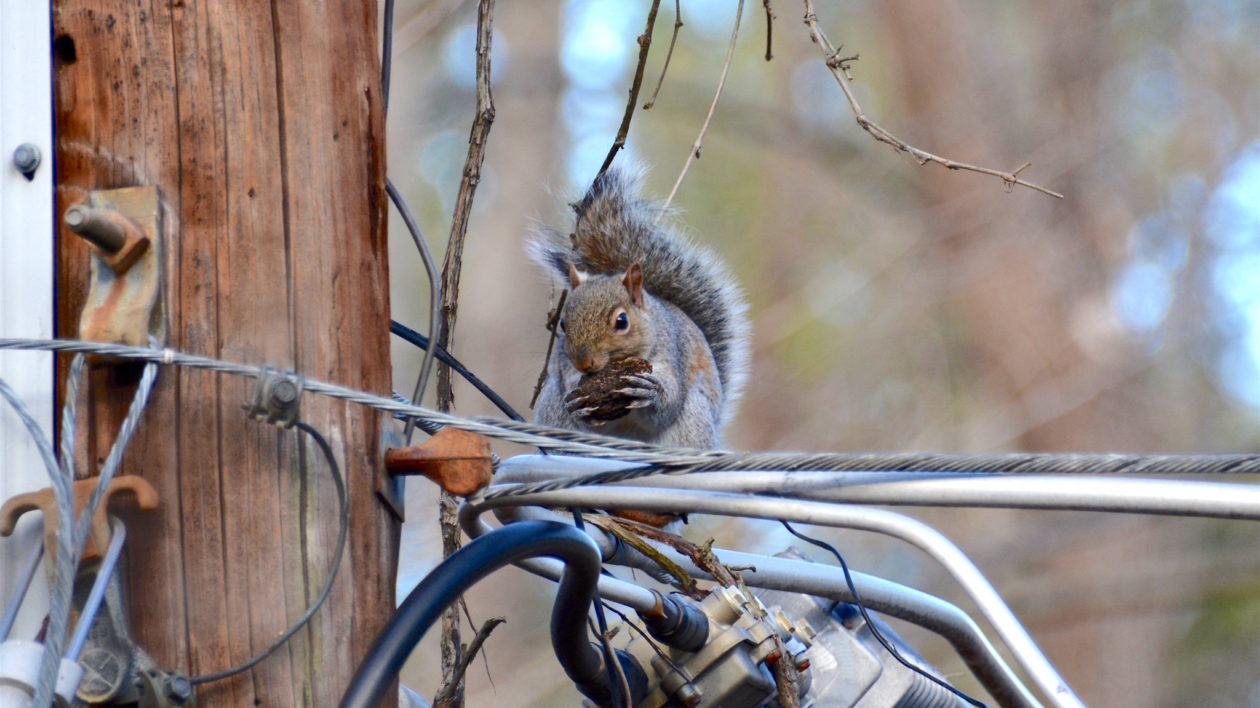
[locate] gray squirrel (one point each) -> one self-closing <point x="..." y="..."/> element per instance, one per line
<point x="640" y="291"/>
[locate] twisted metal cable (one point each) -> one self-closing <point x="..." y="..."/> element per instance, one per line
<point x="113" y="461"/>
<point x="653" y="460"/>
<point x="59" y="604"/>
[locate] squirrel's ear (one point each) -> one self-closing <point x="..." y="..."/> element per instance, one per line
<point x="576" y="277"/>
<point x="633" y="280"/>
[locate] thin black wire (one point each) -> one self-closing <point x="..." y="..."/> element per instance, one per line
<point x="430" y="266"/>
<point x="335" y="470"/>
<point x="387" y="52"/>
<point x="857" y="600"/>
<point x="419" y="340"/>
<point x="615" y="675"/>
<point x="656" y="647"/>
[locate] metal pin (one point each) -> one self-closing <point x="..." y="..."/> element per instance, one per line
<point x="93" y="225"/>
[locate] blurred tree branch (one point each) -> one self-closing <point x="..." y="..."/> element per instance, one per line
<point x="839" y="67"/>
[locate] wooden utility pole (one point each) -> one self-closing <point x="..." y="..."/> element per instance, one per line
<point x="263" y="127"/>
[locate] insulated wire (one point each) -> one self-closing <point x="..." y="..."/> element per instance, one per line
<point x="335" y="471"/>
<point x="423" y="342"/>
<point x="435" y="295"/>
<point x="615" y="675"/>
<point x="430" y="266"/>
<point x="848" y="579"/>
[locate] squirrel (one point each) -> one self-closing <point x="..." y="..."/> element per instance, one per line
<point x="639" y="291"/>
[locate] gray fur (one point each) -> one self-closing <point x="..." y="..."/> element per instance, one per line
<point x="613" y="229"/>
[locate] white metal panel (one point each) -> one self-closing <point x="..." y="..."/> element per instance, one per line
<point x="26" y="275"/>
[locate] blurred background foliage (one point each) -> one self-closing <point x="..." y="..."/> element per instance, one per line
<point x="899" y="307"/>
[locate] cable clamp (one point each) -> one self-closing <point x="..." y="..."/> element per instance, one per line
<point x="277" y="398"/>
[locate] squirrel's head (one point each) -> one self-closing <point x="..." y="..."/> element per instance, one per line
<point x="604" y="318"/>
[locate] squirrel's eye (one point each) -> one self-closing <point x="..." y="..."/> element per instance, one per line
<point x="561" y="324"/>
<point x="622" y="323"/>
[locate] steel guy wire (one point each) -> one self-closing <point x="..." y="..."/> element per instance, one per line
<point x="59" y="605"/>
<point x="654" y="460"/>
<point x="113" y="461"/>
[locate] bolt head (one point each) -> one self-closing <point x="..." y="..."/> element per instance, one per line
<point x="26" y="158"/>
<point x="284" y="393"/>
<point x="178" y="688"/>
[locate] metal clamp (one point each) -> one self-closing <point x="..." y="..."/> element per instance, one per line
<point x="277" y="398"/>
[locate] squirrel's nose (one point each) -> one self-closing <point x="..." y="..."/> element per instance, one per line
<point x="588" y="363"/>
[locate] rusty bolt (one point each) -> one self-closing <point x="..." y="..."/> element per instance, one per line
<point x="117" y="238"/>
<point x="94" y="226"/>
<point x="26" y="159"/>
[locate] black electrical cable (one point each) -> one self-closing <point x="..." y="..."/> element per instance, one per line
<point x="413" y="337"/>
<point x="387" y="53"/>
<point x="344" y="516"/>
<point x="848" y="579"/>
<point x="466" y="567"/>
<point x="615" y="677"/>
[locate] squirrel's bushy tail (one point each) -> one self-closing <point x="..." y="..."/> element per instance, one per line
<point x="615" y="228"/>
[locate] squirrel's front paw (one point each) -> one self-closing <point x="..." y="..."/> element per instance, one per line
<point x="642" y="389"/>
<point x="587" y="410"/>
<point x="612" y="392"/>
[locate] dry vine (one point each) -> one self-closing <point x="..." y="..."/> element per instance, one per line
<point x="452" y="687"/>
<point x="839" y="67"/>
<point x="678" y="23"/>
<point x="695" y="148"/>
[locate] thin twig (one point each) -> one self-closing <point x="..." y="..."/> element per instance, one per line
<point x="630" y="535"/>
<point x="446" y="693"/>
<point x="610" y="654"/>
<point x="839" y="67"/>
<point x="678" y="23"/>
<point x="695" y="148"/>
<point x="787" y="679"/>
<point x="645" y="41"/>
<point x="701" y="555"/>
<point x="769" y="29"/>
<point x="553" y="321"/>
<point x="447" y="504"/>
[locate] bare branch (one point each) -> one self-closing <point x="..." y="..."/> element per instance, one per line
<point x="839" y="67"/>
<point x="678" y="23"/>
<point x="553" y="321"/>
<point x="446" y="694"/>
<point x="769" y="28"/>
<point x="695" y="148"/>
<point x="645" y="41"/>
<point x="447" y="504"/>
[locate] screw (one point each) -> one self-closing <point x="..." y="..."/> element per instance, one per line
<point x="177" y="688"/>
<point x="93" y="225"/>
<point x="26" y="159"/>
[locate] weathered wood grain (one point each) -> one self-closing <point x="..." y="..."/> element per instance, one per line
<point x="263" y="126"/>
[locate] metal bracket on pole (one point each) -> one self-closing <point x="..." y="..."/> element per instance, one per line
<point x="123" y="227"/>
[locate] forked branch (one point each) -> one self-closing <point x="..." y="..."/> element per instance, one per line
<point x="839" y="66"/>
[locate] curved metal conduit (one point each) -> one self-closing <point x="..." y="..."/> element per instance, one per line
<point x="936" y="545"/>
<point x="895" y="600"/>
